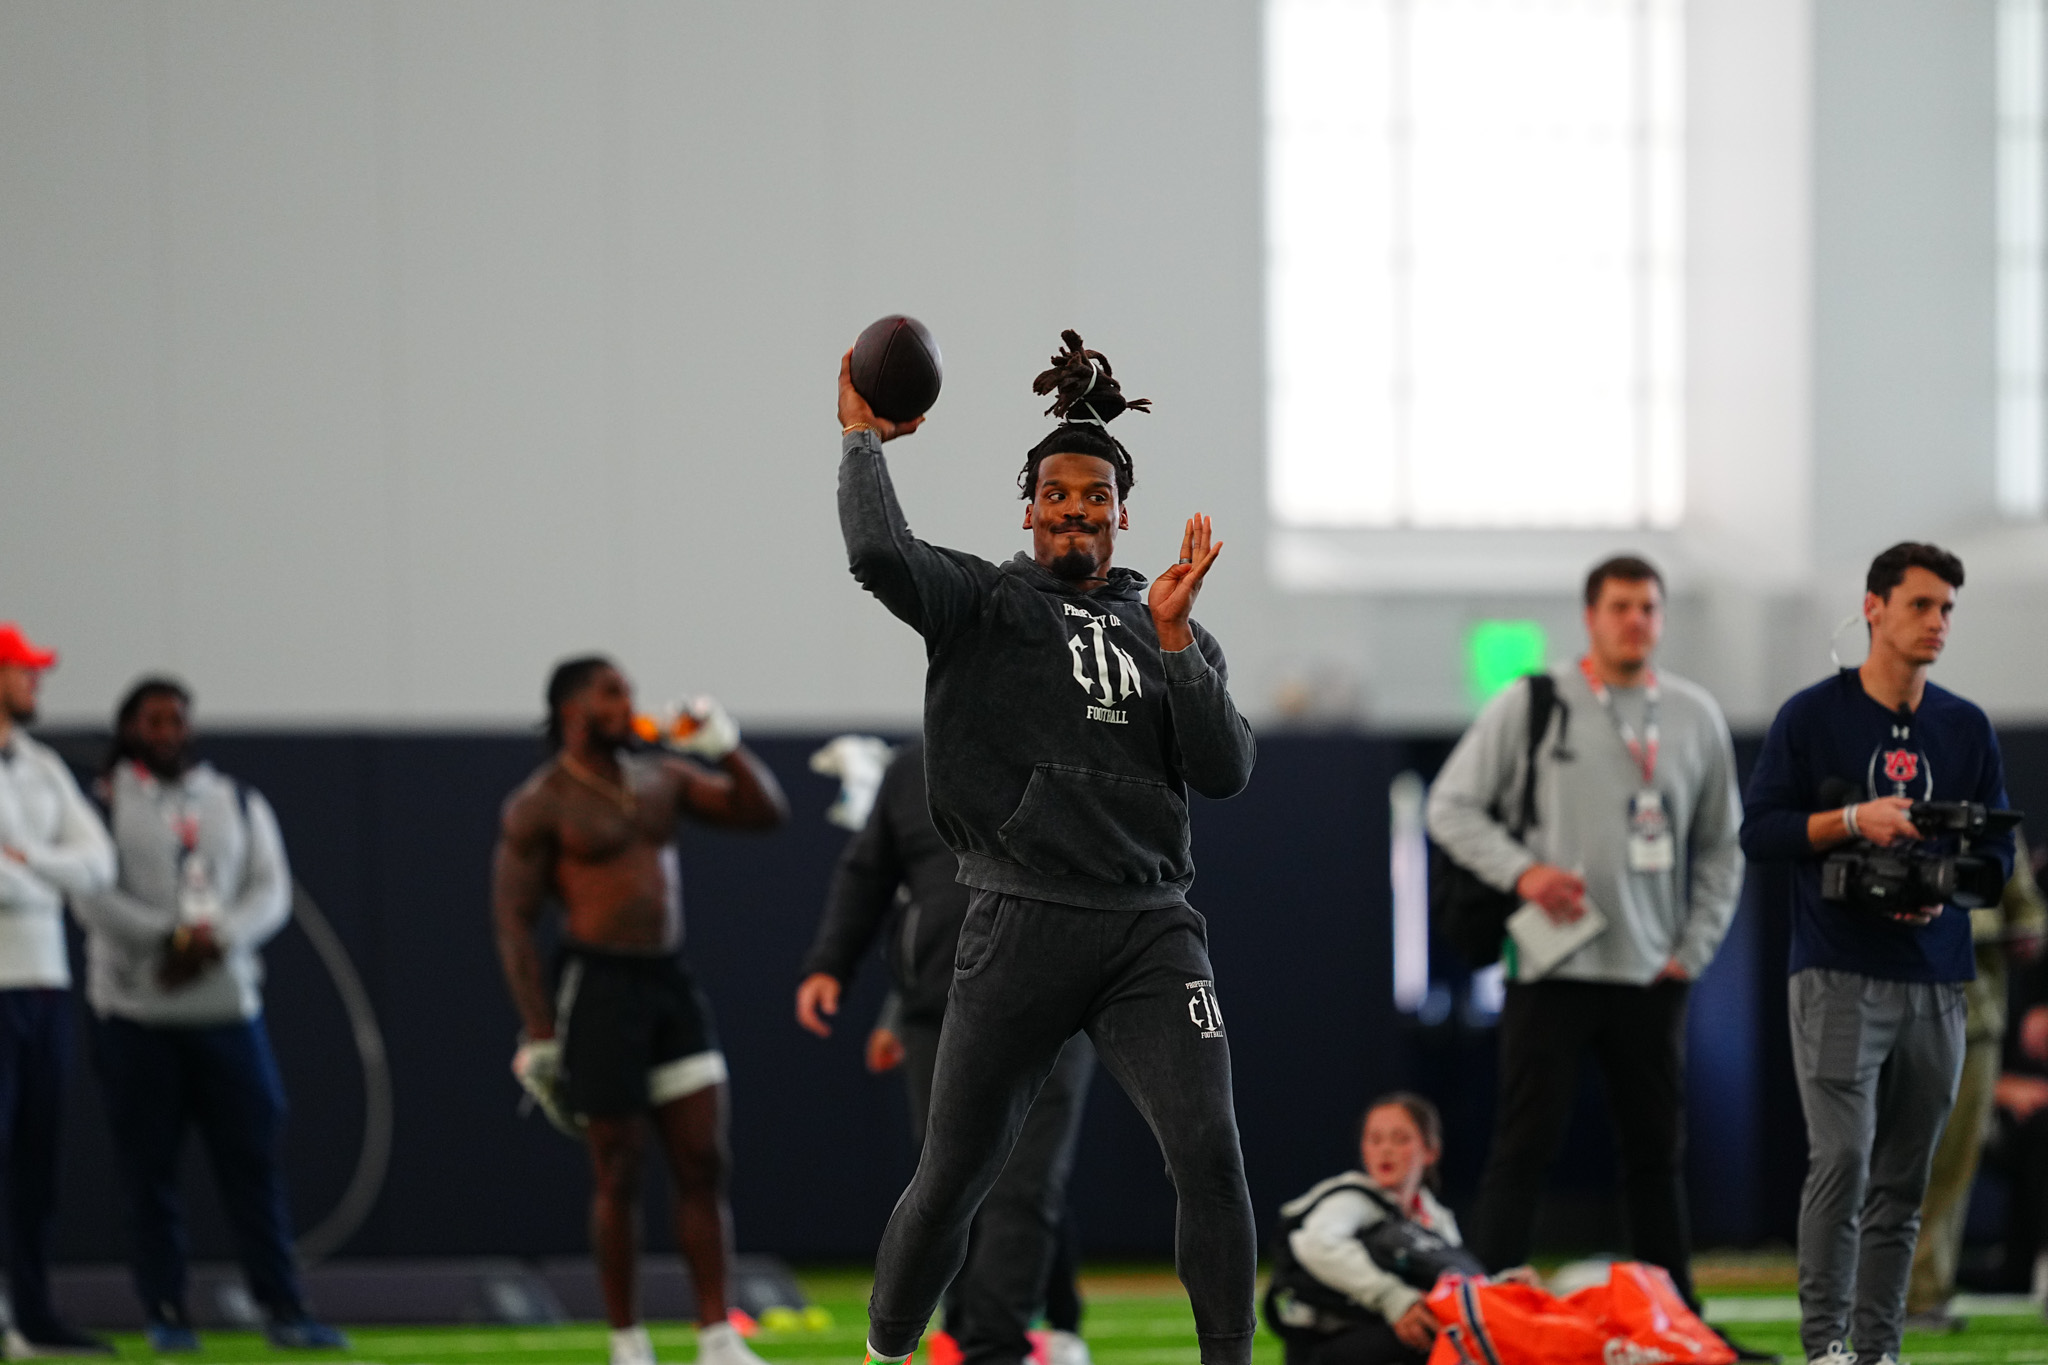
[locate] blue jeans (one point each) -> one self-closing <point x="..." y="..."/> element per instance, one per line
<point x="35" y="1055"/>
<point x="223" y="1080"/>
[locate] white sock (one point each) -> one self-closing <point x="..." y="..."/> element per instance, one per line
<point x="881" y="1359"/>
<point x="632" y="1346"/>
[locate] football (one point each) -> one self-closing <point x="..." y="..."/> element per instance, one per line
<point x="896" y="367"/>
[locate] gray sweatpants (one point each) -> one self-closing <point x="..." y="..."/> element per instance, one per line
<point x="1877" y="1063"/>
<point x="1027" y="975"/>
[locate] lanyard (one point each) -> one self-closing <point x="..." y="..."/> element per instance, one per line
<point x="177" y="811"/>
<point x="1643" y="751"/>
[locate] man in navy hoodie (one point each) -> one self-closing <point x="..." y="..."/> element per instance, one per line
<point x="1876" y="1000"/>
<point x="1068" y="708"/>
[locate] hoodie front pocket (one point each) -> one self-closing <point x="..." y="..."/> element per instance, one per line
<point x="1077" y="822"/>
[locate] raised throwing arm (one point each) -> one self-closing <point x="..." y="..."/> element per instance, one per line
<point x="931" y="590"/>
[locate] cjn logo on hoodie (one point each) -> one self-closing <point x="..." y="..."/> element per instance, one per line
<point x="1103" y="668"/>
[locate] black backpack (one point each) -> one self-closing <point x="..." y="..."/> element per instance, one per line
<point x="1301" y="1307"/>
<point x="1469" y="912"/>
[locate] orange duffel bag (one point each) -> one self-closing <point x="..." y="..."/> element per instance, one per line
<point x="1636" y="1318"/>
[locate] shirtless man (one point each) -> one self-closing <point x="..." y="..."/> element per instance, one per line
<point x="627" y="1035"/>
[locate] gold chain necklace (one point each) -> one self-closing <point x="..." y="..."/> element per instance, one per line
<point x="622" y="793"/>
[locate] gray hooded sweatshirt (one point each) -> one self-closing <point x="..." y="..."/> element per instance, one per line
<point x="126" y="926"/>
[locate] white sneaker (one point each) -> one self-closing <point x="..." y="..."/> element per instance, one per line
<point x="722" y="1344"/>
<point x="632" y="1346"/>
<point x="1837" y="1353"/>
<point x="1065" y="1348"/>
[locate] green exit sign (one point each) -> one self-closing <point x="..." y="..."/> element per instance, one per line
<point x="1498" y="652"/>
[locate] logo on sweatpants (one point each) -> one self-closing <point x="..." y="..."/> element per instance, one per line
<point x="1203" y="1008"/>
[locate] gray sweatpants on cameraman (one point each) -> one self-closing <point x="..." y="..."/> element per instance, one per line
<point x="1027" y="975"/>
<point x="1877" y="1063"/>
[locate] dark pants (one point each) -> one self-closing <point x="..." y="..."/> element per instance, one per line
<point x="223" y="1080"/>
<point x="1020" y="1251"/>
<point x="1029" y="974"/>
<point x="1063" y="1283"/>
<point x="1372" y="1343"/>
<point x="1637" y="1036"/>
<point x="35" y="1054"/>
<point x="2021" y="1152"/>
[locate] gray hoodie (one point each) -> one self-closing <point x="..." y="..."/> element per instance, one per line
<point x="126" y="927"/>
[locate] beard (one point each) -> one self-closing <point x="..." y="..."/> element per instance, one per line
<point x="168" y="764"/>
<point x="1075" y="566"/>
<point x="21" y="713"/>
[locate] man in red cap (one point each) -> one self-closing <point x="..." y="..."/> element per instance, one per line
<point x="51" y="845"/>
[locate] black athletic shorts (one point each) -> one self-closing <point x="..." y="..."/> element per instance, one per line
<point x="635" y="1032"/>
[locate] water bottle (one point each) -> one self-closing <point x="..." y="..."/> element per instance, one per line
<point x="197" y="902"/>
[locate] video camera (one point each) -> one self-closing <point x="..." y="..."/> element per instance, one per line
<point x="1915" y="875"/>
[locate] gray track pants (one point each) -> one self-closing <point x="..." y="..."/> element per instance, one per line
<point x="1029" y="974"/>
<point x="1877" y="1063"/>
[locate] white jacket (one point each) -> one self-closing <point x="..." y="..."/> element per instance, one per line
<point x="65" y="851"/>
<point x="1327" y="1242"/>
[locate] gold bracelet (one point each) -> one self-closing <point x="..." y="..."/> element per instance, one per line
<point x="858" y="426"/>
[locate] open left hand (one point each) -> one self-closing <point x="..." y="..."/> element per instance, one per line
<point x="1172" y="595"/>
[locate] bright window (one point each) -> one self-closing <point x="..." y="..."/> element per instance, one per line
<point x="1475" y="262"/>
<point x="2022" y="269"/>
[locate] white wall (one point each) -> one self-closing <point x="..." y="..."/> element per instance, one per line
<point x="358" y="360"/>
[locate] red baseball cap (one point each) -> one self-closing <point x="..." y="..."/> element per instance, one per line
<point x="18" y="649"/>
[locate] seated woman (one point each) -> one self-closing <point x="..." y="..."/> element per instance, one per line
<point x="1355" y="1256"/>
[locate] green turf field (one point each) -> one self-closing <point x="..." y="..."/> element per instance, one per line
<point x="1135" y="1317"/>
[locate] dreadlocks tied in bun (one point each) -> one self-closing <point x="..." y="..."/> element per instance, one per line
<point x="1086" y="399"/>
